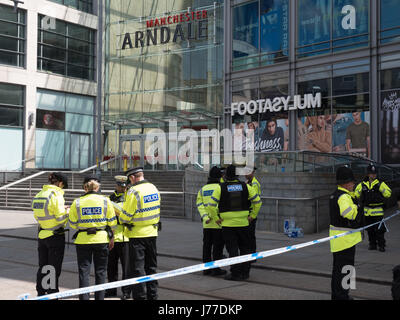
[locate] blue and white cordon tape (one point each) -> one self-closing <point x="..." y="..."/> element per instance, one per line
<point x="197" y="267"/>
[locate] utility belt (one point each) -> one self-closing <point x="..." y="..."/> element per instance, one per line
<point x="94" y="231"/>
<point x="131" y="225"/>
<point x="58" y="232"/>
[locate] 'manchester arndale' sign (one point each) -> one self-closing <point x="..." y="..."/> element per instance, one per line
<point x="277" y="104"/>
<point x="159" y="30"/>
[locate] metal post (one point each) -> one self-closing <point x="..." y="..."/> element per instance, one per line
<point x="316" y="215"/>
<point x="30" y="187"/>
<point x="277" y="215"/>
<point x="100" y="32"/>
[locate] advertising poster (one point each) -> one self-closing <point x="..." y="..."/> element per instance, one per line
<point x="390" y="105"/>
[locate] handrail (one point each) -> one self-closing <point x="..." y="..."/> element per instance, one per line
<point x="23" y="179"/>
<point x="100" y="165"/>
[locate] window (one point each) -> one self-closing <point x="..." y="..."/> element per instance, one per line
<point x="327" y="26"/>
<point x="12" y="36"/>
<point x="67" y="49"/>
<point x="260" y="33"/>
<point x="82" y="5"/>
<point x="390" y="23"/>
<point x="11" y="105"/>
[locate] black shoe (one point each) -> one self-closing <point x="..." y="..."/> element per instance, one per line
<point x="125" y="296"/>
<point x="231" y="277"/>
<point x="372" y="247"/>
<point x="382" y="249"/>
<point x="219" y="272"/>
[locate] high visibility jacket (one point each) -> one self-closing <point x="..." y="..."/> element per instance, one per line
<point x="49" y="211"/>
<point x="343" y="214"/>
<point x="92" y="211"/>
<point x="257" y="186"/>
<point x="117" y="200"/>
<point x="203" y="203"/>
<point x="141" y="210"/>
<point x="238" y="216"/>
<point x="372" y="195"/>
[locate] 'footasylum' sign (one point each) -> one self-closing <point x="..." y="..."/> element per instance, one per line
<point x="307" y="101"/>
<point x="180" y="27"/>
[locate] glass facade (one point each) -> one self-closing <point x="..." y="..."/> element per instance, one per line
<point x="327" y="26"/>
<point x="260" y="33"/>
<point x="12" y="36"/>
<point x="390" y="24"/>
<point x="12" y="101"/>
<point x="64" y="130"/>
<point x="66" y="49"/>
<point x="82" y="5"/>
<point x="164" y="60"/>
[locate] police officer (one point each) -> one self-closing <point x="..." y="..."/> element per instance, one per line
<point x="230" y="207"/>
<point x="120" y="252"/>
<point x="372" y="193"/>
<point x="50" y="213"/>
<point x="345" y="215"/>
<point x="253" y="182"/>
<point x="213" y="242"/>
<point x="93" y="216"/>
<point x="141" y="214"/>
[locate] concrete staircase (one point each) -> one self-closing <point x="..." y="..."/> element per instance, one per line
<point x="19" y="197"/>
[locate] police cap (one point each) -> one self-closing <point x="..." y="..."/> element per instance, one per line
<point x="89" y="178"/>
<point x="133" y="171"/>
<point x="215" y="172"/>
<point x="121" y="180"/>
<point x="61" y="177"/>
<point x="230" y="172"/>
<point x="371" y="168"/>
<point x="344" y="175"/>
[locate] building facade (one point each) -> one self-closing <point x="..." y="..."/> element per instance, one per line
<point x="48" y="84"/>
<point x="345" y="50"/>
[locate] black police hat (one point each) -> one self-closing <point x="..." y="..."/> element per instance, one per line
<point x="215" y="172"/>
<point x="371" y="168"/>
<point x="133" y="171"/>
<point x="89" y="178"/>
<point x="344" y="175"/>
<point x="230" y="172"/>
<point x="62" y="178"/>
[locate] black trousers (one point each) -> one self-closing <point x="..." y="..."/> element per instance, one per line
<point x="51" y="253"/>
<point x="237" y="242"/>
<point x="341" y="259"/>
<point x="120" y="252"/>
<point x="375" y="236"/>
<point x="143" y="261"/>
<point x="213" y="244"/>
<point x="252" y="235"/>
<point x="99" y="254"/>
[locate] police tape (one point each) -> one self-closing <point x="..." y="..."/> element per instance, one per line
<point x="198" y="267"/>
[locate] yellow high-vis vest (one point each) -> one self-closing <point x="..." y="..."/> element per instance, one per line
<point x="92" y="211"/>
<point x="203" y="202"/>
<point x="141" y="210"/>
<point x="376" y="208"/>
<point x="49" y="210"/>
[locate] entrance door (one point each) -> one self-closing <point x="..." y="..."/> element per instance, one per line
<point x="80" y="153"/>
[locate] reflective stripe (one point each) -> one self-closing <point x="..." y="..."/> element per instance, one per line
<point x="137" y="196"/>
<point x="147" y="209"/>
<point x="256" y="202"/>
<point x="251" y="199"/>
<point x="349" y="209"/>
<point x="155" y="216"/>
<point x="213" y="204"/>
<point x="200" y="204"/>
<point x="105" y="208"/>
<point x="216" y="200"/>
<point x="204" y="215"/>
<point x="53" y="228"/>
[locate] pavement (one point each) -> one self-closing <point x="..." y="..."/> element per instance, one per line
<point x="183" y="238"/>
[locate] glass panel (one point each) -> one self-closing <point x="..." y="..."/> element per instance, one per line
<point x="75" y="151"/>
<point x="54" y="120"/>
<point x="53" y="39"/>
<point x="84" y="151"/>
<point x="50" y="100"/>
<point x="8" y="58"/>
<point x="11" y="116"/>
<point x="390" y="79"/>
<point x="50" y="148"/>
<point x="274" y="29"/>
<point x="349" y="84"/>
<point x="390" y="20"/>
<point x="80" y="104"/>
<point x="76" y="31"/>
<point x="8" y="44"/>
<point x="51" y="66"/>
<point x="11" y="140"/>
<point x="314" y="26"/>
<point x="9" y="29"/>
<point x="11" y="94"/>
<point x="390" y="130"/>
<point x="79" y="72"/>
<point x="245" y="30"/>
<point x="79" y="123"/>
<point x="8" y="13"/>
<point x="53" y="53"/>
